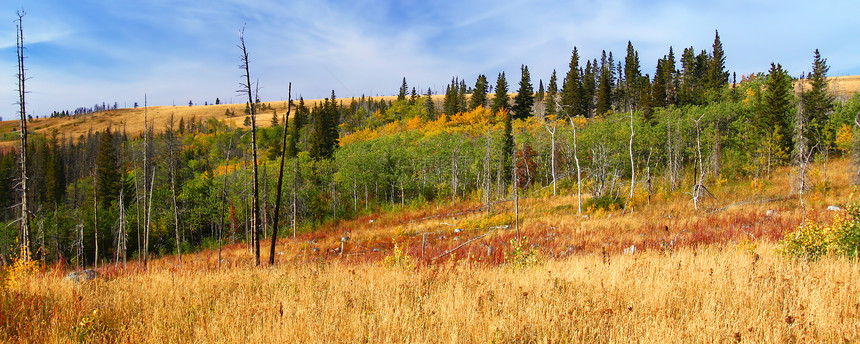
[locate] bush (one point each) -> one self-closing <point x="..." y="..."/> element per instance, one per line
<point x="521" y="255"/>
<point x="606" y="202"/>
<point x="842" y="237"/>
<point x="399" y="260"/>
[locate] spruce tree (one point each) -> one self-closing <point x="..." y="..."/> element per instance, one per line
<point x="429" y="106"/>
<point x="552" y="95"/>
<point x="299" y="119"/>
<point x="462" y="106"/>
<point x="449" y="104"/>
<point x="507" y="148"/>
<point x="524" y="100"/>
<point x="605" y="84"/>
<point x="403" y="89"/>
<point x="817" y="102"/>
<point x="718" y="77"/>
<point x="501" y="98"/>
<point x="776" y="111"/>
<point x="571" y="89"/>
<point x="632" y="77"/>
<point x="107" y="171"/>
<point x="479" y="94"/>
<point x="589" y="88"/>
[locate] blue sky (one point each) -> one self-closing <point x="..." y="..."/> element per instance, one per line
<point x="86" y="52"/>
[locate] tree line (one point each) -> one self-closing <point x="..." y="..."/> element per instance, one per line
<point x="112" y="196"/>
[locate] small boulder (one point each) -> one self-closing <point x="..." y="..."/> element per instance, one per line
<point x="770" y="212"/>
<point x="834" y="208"/>
<point x="457" y="230"/>
<point x="82" y="276"/>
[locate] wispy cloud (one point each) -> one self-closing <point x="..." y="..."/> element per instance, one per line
<point x="90" y="51"/>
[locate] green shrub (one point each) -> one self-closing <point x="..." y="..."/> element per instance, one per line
<point x="520" y="255"/>
<point x="813" y="240"/>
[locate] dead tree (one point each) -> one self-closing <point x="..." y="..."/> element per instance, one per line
<point x="25" y="212"/>
<point x="281" y="176"/>
<point x="699" y="184"/>
<point x="246" y="89"/>
<point x="632" y="170"/>
<point x="575" y="159"/>
<point x="147" y="204"/>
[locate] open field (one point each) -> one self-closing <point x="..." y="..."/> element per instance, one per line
<point x="712" y="275"/>
<point x="718" y="293"/>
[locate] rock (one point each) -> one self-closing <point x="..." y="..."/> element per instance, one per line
<point x="82" y="276"/>
<point x="770" y="212"/>
<point x="630" y="250"/>
<point x="371" y="221"/>
<point x="457" y="230"/>
<point x="834" y="208"/>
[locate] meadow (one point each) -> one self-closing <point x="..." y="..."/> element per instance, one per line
<point x="713" y="275"/>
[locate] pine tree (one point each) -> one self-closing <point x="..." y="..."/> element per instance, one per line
<point x="449" y="104"/>
<point x="413" y="99"/>
<point x="107" y="171"/>
<point x="605" y="84"/>
<point x="479" y="94"/>
<point x="299" y="120"/>
<point x="571" y="89"/>
<point x="658" y="91"/>
<point x="632" y="77"/>
<point x="589" y="88"/>
<point x="461" y="97"/>
<point x="501" y="99"/>
<point x="429" y="106"/>
<point x="524" y="100"/>
<point x="403" y="89"/>
<point x="552" y="95"/>
<point x="325" y="135"/>
<point x="817" y="102"/>
<point x="776" y="112"/>
<point x="718" y="77"/>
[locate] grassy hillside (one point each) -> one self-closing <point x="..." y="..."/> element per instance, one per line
<point x="132" y="119"/>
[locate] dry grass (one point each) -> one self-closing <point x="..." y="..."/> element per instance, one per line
<point x="717" y="293"/>
<point x="696" y="276"/>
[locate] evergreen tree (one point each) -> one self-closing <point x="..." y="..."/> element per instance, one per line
<point x="462" y="106"/>
<point x="604" y="87"/>
<point x="524" y="100"/>
<point x="501" y="98"/>
<point x="632" y="77"/>
<point x="479" y="94"/>
<point x="552" y="95"/>
<point x="589" y="88"/>
<point x="670" y="78"/>
<point x="817" y="102"/>
<point x="429" y="106"/>
<point x="449" y="104"/>
<point x="413" y="99"/>
<point x="299" y="119"/>
<point x="658" y="91"/>
<point x="403" y="90"/>
<point x="107" y="171"/>
<point x="325" y="136"/>
<point x="571" y="89"/>
<point x="776" y="111"/>
<point x="541" y="92"/>
<point x="718" y="77"/>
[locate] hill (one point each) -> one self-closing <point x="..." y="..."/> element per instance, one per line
<point x="132" y="119"/>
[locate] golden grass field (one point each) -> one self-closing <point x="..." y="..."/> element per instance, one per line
<point x="696" y="276"/>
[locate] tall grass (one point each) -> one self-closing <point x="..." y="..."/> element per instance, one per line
<point x="706" y="294"/>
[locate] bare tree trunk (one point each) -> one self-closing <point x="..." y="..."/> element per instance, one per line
<point x="95" y="224"/>
<point x="552" y="150"/>
<point x="147" y="204"/>
<point x="629" y="202"/>
<point x="247" y="89"/>
<point x="698" y="183"/>
<point x="280" y="176"/>
<point x="22" y="103"/>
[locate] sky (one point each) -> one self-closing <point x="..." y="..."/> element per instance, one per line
<point x="86" y="52"/>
